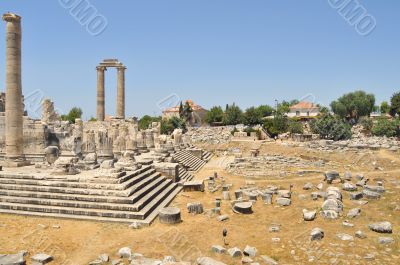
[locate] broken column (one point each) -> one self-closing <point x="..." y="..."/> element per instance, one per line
<point x="121" y="93"/>
<point x="100" y="93"/>
<point x="14" y="111"/>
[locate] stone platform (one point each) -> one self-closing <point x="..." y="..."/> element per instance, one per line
<point x="132" y="196"/>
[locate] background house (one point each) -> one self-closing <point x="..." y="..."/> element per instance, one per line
<point x="304" y="109"/>
<point x="198" y="113"/>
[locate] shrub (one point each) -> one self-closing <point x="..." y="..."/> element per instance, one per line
<point x="296" y="127"/>
<point x="367" y="123"/>
<point x="169" y="125"/>
<point x="74" y="113"/>
<point x="386" y="127"/>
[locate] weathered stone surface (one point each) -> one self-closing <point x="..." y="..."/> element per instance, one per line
<point x="317" y="234"/>
<point x="218" y="249"/>
<point x="125" y="252"/>
<point x="308" y="186"/>
<point x="354" y="213"/>
<point x="42" y="258"/>
<point x="379" y="189"/>
<point x="222" y="218"/>
<point x="283" y="201"/>
<point x="318" y="194"/>
<point x="386" y="240"/>
<point x="329" y="214"/>
<point x="195" y="208"/>
<point x="250" y="251"/>
<point x="381" y="227"/>
<point x="309" y="215"/>
<point x="344" y="237"/>
<point x="243" y="207"/>
<point x="332" y="205"/>
<point x="356" y="196"/>
<point x="12" y="259"/>
<point x="371" y="194"/>
<point x="331" y="176"/>
<point x="347" y="186"/>
<point x="235" y="252"/>
<point x="360" y="234"/>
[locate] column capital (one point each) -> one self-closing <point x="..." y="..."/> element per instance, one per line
<point x="121" y="67"/>
<point x="101" y="68"/>
<point x="10" y="17"/>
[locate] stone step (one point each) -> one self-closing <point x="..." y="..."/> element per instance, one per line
<point x="65" y="196"/>
<point x="150" y="217"/>
<point x="127" y="206"/>
<point x="146" y="199"/>
<point x="131" y="179"/>
<point x="141" y="184"/>
<point x="163" y="195"/>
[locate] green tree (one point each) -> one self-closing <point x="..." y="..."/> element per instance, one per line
<point x="354" y="105"/>
<point x="233" y="115"/>
<point x="330" y="127"/>
<point x="277" y="125"/>
<point x="146" y="121"/>
<point x="252" y="116"/>
<point x="169" y="125"/>
<point x="216" y="114"/>
<point x="92" y="119"/>
<point x="185" y="112"/>
<point x="74" y="113"/>
<point x="384" y="108"/>
<point x="395" y="104"/>
<point x="366" y="123"/>
<point x="265" y="110"/>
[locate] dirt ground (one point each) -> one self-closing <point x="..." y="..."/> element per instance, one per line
<point x="79" y="242"/>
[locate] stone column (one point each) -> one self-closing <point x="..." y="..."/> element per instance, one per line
<point x="121" y="93"/>
<point x="14" y="112"/>
<point x="100" y="93"/>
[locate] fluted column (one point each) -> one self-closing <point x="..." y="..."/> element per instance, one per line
<point x="121" y="93"/>
<point x="100" y="93"/>
<point x="14" y="110"/>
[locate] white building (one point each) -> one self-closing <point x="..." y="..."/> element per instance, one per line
<point x="304" y="110"/>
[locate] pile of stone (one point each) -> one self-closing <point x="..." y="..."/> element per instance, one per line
<point x="359" y="143"/>
<point x="210" y="135"/>
<point x="271" y="166"/>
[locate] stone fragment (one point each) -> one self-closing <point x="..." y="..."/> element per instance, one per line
<point x="283" y="201"/>
<point x="309" y="215"/>
<point x="347" y="186"/>
<point x="381" y="227"/>
<point x="195" y="208"/>
<point x="329" y="214"/>
<point x="41" y="259"/>
<point x="243" y="207"/>
<point x="317" y="234"/>
<point x="235" y="252"/>
<point x="385" y="240"/>
<point x="274" y="228"/>
<point x="347" y="224"/>
<point x="125" y="252"/>
<point x="330" y="176"/>
<point x="360" y="234"/>
<point x="308" y="186"/>
<point x="222" y="218"/>
<point x="218" y="249"/>
<point x="353" y="213"/>
<point x="250" y="251"/>
<point x="356" y="195"/>
<point x="332" y="205"/>
<point x="371" y="194"/>
<point x="344" y="237"/>
<point x="12" y="259"/>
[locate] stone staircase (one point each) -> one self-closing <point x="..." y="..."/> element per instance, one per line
<point x="134" y="196"/>
<point x="188" y="160"/>
<point x="184" y="175"/>
<point x="207" y="156"/>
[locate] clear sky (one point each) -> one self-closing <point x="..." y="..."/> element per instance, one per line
<point x="212" y="51"/>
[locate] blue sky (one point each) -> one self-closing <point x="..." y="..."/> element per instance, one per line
<point x="212" y="51"/>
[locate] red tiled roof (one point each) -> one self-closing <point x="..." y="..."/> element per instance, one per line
<point x="304" y="105"/>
